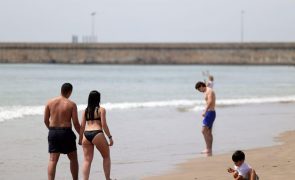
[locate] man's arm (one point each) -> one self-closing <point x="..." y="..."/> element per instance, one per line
<point x="46" y="115"/>
<point x="75" y="119"/>
<point x="83" y="124"/>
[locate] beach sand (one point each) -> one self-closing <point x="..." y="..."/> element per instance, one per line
<point x="270" y="163"/>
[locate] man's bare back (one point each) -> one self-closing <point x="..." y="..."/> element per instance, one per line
<point x="61" y="111"/>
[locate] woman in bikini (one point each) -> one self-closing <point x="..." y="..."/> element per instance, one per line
<point x="93" y="127"/>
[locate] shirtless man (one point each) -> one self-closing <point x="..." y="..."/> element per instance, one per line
<point x="208" y="114"/>
<point x="58" y="116"/>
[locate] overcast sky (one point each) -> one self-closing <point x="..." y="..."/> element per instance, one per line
<point x="147" y="20"/>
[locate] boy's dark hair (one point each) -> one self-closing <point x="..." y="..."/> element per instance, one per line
<point x="238" y="156"/>
<point x="66" y="88"/>
<point x="200" y="84"/>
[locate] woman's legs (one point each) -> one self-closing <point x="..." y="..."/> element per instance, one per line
<point x="102" y="145"/>
<point x="88" y="156"/>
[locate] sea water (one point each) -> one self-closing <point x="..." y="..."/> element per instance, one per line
<point x="25" y="88"/>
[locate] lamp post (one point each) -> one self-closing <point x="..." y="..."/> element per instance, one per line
<point x="242" y="26"/>
<point x="93" y="26"/>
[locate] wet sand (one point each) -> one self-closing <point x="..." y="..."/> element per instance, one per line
<point x="271" y="163"/>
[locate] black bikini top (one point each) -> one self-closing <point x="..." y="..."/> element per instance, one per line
<point x="96" y="112"/>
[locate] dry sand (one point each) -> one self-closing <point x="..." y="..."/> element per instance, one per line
<point x="270" y="163"/>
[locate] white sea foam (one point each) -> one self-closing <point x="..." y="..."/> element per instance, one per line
<point x="151" y="104"/>
<point x="230" y="102"/>
<point x="15" y="112"/>
<point x="255" y="100"/>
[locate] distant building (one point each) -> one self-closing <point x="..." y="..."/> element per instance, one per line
<point x="75" y="39"/>
<point x="89" y="39"/>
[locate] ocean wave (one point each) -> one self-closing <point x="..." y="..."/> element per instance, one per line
<point x="15" y="112"/>
<point x="257" y="100"/>
<point x="241" y="101"/>
<point x="152" y="104"/>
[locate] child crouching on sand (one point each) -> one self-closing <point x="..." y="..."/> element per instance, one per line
<point x="242" y="171"/>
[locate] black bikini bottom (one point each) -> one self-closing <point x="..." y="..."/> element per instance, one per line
<point x="91" y="134"/>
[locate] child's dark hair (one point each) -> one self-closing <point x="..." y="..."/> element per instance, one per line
<point x="200" y="84"/>
<point x="238" y="156"/>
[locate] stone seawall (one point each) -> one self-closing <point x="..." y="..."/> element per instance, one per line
<point x="145" y="53"/>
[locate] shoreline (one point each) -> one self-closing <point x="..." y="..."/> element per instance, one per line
<point x="274" y="162"/>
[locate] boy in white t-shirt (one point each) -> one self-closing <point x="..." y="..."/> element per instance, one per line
<point x="210" y="82"/>
<point x="242" y="171"/>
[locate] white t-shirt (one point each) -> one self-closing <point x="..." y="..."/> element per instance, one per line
<point x="243" y="170"/>
<point x="210" y="84"/>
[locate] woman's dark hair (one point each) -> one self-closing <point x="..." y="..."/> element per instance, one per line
<point x="238" y="156"/>
<point x="93" y="103"/>
<point x="200" y="84"/>
<point x="66" y="88"/>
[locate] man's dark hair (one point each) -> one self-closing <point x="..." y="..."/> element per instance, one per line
<point x="66" y="88"/>
<point x="200" y="84"/>
<point x="238" y="156"/>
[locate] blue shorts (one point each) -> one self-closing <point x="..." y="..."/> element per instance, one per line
<point x="209" y="119"/>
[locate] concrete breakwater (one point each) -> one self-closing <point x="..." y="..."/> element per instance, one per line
<point x="149" y="53"/>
